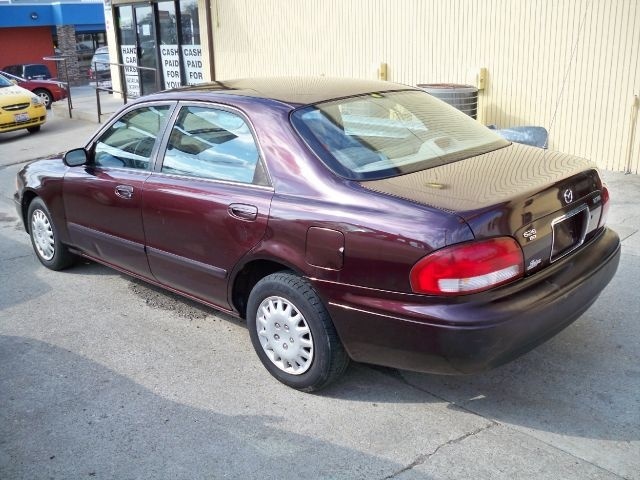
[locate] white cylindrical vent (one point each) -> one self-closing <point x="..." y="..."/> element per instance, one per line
<point x="463" y="97"/>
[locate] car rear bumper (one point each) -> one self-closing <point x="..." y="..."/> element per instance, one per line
<point x="475" y="332"/>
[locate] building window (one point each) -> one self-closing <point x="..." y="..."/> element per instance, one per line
<point x="164" y="35"/>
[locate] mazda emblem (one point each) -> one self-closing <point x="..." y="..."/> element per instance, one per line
<point x="568" y="195"/>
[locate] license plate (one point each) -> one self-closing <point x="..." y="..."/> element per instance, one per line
<point x="569" y="232"/>
<point x="21" y="117"/>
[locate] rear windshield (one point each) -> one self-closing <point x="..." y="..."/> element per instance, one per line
<point x="381" y="135"/>
<point x="38" y="71"/>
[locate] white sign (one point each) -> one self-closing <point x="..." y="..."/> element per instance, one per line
<point x="131" y="78"/>
<point x="192" y="58"/>
<point x="169" y="54"/>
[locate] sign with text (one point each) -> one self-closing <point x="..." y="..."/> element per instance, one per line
<point x="170" y="65"/>
<point x="131" y="78"/>
<point x="192" y="58"/>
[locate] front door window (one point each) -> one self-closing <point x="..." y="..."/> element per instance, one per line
<point x="130" y="140"/>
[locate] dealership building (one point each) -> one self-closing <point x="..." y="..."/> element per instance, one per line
<point x="33" y="29"/>
<point x="571" y="67"/>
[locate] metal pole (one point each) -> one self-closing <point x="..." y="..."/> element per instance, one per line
<point x="66" y="76"/>
<point x="98" y="99"/>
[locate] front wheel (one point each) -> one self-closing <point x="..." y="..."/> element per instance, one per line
<point x="33" y="129"/>
<point x="46" y="97"/>
<point x="44" y="238"/>
<point x="293" y="334"/>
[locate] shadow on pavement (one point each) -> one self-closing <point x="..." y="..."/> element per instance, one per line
<point x="18" y="279"/>
<point x="63" y="416"/>
<point x="582" y="383"/>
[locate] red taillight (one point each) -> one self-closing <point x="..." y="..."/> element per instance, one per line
<point x="468" y="267"/>
<point x="605" y="205"/>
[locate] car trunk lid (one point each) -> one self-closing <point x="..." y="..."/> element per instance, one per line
<point x="549" y="202"/>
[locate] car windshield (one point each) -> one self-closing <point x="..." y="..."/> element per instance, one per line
<point x="101" y="60"/>
<point x="4" y="82"/>
<point x="381" y="135"/>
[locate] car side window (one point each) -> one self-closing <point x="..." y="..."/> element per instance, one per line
<point x="212" y="143"/>
<point x="129" y="141"/>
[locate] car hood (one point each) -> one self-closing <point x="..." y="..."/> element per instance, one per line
<point x="14" y="94"/>
<point x="518" y="190"/>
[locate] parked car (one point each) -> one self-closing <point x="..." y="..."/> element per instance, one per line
<point x="343" y="219"/>
<point x="99" y="69"/>
<point x="48" y="90"/>
<point x="29" y="71"/>
<point x="19" y="108"/>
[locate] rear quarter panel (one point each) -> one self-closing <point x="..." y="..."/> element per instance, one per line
<point x="383" y="236"/>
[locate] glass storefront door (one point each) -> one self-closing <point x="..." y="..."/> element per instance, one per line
<point x="190" y="42"/>
<point x="163" y="35"/>
<point x="169" y="48"/>
<point x="127" y="39"/>
<point x="147" y="51"/>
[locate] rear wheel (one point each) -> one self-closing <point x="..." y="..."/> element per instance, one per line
<point x="44" y="238"/>
<point x="293" y="334"/>
<point x="45" y="95"/>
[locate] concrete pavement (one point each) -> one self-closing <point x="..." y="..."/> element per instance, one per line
<point x="106" y="377"/>
<point x="85" y="104"/>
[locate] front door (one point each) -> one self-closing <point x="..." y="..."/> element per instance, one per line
<point x="207" y="203"/>
<point x="103" y="199"/>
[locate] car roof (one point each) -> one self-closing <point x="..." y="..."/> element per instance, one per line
<point x="294" y="91"/>
<point x="25" y="65"/>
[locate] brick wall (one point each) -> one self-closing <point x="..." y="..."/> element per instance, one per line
<point x="67" y="45"/>
<point x="26" y="45"/>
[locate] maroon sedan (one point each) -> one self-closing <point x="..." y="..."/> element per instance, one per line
<point x="342" y="218"/>
<point x="49" y="90"/>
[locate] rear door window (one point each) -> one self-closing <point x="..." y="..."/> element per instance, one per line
<point x="212" y="143"/>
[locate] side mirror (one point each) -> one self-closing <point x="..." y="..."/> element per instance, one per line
<point x="14" y="81"/>
<point x="75" y="157"/>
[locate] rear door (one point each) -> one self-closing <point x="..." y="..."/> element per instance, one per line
<point x="103" y="199"/>
<point x="207" y="203"/>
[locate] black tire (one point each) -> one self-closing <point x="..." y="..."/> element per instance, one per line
<point x="44" y="95"/>
<point x="33" y="129"/>
<point x="44" y="237"/>
<point x="329" y="359"/>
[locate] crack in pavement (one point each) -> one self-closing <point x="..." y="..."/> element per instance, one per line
<point x="19" y="162"/>
<point x="421" y="459"/>
<point x="7" y="165"/>
<point x="9" y="259"/>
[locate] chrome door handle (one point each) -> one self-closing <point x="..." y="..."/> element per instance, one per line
<point x="124" y="191"/>
<point x="243" y="211"/>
